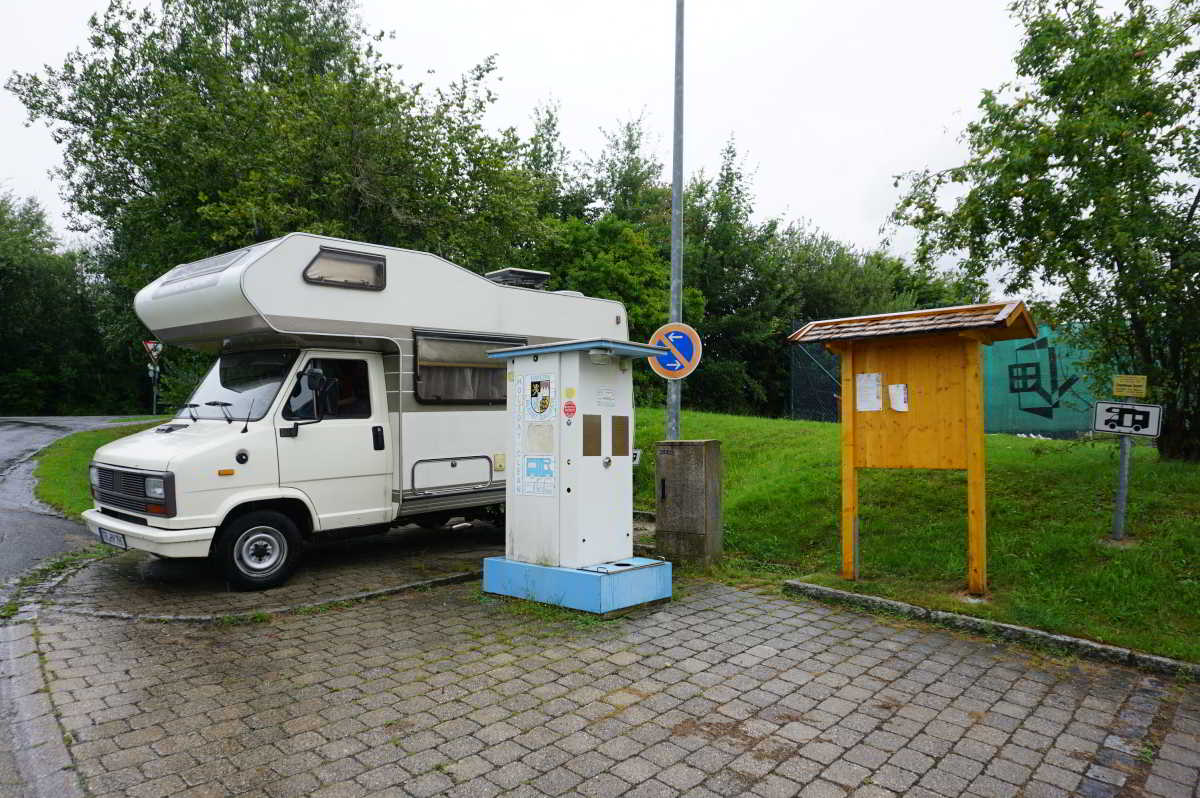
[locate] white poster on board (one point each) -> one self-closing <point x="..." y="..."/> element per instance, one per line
<point x="898" y="397"/>
<point x="868" y="392"/>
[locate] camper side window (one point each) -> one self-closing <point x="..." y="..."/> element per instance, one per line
<point x="343" y="269"/>
<point x="458" y="371"/>
<point x="351" y="398"/>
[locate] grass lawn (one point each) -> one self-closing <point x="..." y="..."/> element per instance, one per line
<point x="1049" y="505"/>
<point x="62" y="467"/>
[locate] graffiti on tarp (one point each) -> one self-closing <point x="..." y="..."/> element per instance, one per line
<point x="1037" y="387"/>
<point x="1036" y="374"/>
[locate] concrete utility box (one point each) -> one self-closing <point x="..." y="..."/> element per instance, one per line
<point x="687" y="479"/>
<point x="569" y="493"/>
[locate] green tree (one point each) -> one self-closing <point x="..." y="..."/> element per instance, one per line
<point x="564" y="190"/>
<point x="730" y="259"/>
<point x="627" y="178"/>
<point x="52" y="362"/>
<point x="213" y="124"/>
<point x="1083" y="174"/>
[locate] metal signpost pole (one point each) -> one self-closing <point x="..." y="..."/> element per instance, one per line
<point x="675" y="387"/>
<point x="153" y="389"/>
<point x="1118" y="532"/>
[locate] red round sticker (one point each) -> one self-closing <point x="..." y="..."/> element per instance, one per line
<point x="569" y="409"/>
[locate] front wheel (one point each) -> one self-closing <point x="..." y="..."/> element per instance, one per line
<point x="259" y="550"/>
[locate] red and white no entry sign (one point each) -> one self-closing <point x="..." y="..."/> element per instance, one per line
<point x="569" y="409"/>
<point x="684" y="343"/>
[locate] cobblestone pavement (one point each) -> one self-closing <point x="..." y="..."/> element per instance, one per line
<point x="721" y="692"/>
<point x="140" y="584"/>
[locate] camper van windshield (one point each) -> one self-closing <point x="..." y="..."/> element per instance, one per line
<point x="248" y="381"/>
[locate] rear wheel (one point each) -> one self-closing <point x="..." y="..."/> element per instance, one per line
<point x="259" y="550"/>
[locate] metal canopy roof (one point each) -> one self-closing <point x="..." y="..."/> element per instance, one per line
<point x="606" y="345"/>
<point x="995" y="321"/>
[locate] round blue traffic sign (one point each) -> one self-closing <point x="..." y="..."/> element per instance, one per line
<point x="684" y="355"/>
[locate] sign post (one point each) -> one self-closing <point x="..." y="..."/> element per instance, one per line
<point x="675" y="389"/>
<point x="153" y="350"/>
<point x="1126" y="419"/>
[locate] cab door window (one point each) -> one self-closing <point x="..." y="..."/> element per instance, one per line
<point x="350" y="397"/>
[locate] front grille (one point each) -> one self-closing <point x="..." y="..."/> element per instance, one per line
<point x="104" y="497"/>
<point x="122" y="482"/>
<point x="126" y="488"/>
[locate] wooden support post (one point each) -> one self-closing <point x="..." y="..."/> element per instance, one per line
<point x="849" y="472"/>
<point x="976" y="491"/>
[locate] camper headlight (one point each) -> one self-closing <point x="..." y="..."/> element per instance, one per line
<point x="94" y="476"/>
<point x="155" y="488"/>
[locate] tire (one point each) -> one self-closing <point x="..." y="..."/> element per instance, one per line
<point x="259" y="550"/>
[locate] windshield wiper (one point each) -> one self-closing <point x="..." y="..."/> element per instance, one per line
<point x="191" y="412"/>
<point x="246" y="425"/>
<point x="224" y="412"/>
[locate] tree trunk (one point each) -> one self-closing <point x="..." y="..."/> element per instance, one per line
<point x="1180" y="437"/>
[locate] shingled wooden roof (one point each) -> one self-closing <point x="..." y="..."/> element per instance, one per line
<point x="996" y="321"/>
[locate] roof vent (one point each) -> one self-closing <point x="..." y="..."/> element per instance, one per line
<point x="521" y="278"/>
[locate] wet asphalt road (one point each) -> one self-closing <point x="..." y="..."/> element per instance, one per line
<point x="29" y="530"/>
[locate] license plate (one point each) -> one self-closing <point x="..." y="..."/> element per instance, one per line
<point x="112" y="538"/>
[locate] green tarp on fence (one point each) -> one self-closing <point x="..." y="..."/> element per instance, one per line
<point x="1036" y="386"/>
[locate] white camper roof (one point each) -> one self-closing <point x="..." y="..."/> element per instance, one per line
<point x="306" y="290"/>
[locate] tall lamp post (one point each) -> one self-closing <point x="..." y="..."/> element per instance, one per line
<point x="675" y="387"/>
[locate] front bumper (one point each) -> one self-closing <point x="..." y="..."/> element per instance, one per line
<point x="163" y="542"/>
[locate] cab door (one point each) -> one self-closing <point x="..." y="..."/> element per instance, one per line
<point x="341" y="462"/>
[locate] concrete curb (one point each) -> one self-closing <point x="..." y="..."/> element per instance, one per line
<point x="451" y="579"/>
<point x="643" y="515"/>
<point x="1021" y="634"/>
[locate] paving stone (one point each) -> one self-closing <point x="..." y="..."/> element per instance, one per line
<point x="1158" y="786"/>
<point x="822" y="789"/>
<point x="723" y="692"/>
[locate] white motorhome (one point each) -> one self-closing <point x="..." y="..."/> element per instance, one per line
<point x="352" y="393"/>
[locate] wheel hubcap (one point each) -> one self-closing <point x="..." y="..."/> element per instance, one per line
<point x="260" y="550"/>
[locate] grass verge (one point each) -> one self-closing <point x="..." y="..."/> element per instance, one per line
<point x="1049" y="509"/>
<point x="62" y="468"/>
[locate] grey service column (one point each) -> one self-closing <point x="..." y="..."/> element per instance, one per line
<point x="688" y="523"/>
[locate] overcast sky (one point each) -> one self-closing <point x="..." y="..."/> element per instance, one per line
<point x="827" y="100"/>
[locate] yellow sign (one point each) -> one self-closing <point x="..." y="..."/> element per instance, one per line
<point x="1129" y="385"/>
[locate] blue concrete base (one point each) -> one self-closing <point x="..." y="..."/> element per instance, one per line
<point x="601" y="589"/>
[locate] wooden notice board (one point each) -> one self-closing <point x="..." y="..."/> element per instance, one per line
<point x="912" y="397"/>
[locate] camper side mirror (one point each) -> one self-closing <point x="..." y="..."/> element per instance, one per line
<point x="321" y="387"/>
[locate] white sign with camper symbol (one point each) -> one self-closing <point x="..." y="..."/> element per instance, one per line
<point x="1124" y="418"/>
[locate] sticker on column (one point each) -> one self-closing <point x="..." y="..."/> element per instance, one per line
<point x="569" y="409"/>
<point x="539" y="476"/>
<point x="898" y="397"/>
<point x="541" y="398"/>
<point x="518" y="441"/>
